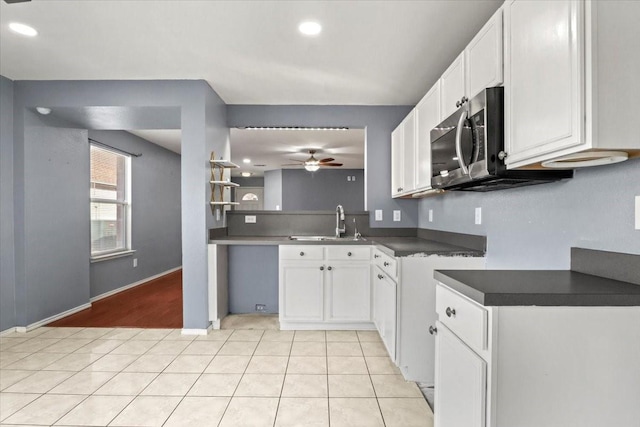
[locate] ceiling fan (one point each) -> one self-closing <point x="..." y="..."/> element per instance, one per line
<point x="312" y="164"/>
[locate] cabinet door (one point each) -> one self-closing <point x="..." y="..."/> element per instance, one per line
<point x="397" y="175"/>
<point x="385" y="310"/>
<point x="409" y="152"/>
<point x="377" y="312"/>
<point x="483" y="57"/>
<point x="452" y="87"/>
<point x="460" y="388"/>
<point x="544" y="79"/>
<point x="348" y="288"/>
<point x="302" y="296"/>
<point x="427" y="117"/>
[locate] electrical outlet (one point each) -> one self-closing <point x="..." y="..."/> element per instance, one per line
<point x="217" y="214"/>
<point x="478" y="216"/>
<point x="249" y="219"/>
<point x="349" y="178"/>
<point x="430" y="215"/>
<point x="397" y="216"/>
<point x="378" y="214"/>
<point x="353" y="178"/>
<point x="261" y="307"/>
<point x="637" y="212"/>
<point x="135" y="262"/>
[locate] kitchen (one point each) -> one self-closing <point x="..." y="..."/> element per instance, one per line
<point x="550" y="218"/>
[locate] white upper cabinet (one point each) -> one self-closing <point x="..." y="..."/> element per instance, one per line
<point x="452" y="87"/>
<point x="569" y="67"/>
<point x="427" y="117"/>
<point x="483" y="57"/>
<point x="403" y="157"/>
<point x="409" y="152"/>
<point x="397" y="175"/>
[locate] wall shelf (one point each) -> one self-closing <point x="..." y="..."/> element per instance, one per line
<point x="219" y="182"/>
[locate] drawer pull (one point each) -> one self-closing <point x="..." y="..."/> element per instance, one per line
<point x="329" y="268"/>
<point x="386" y="264"/>
<point x="349" y="254"/>
<point x="376" y="256"/>
<point x="322" y="268"/>
<point x="433" y="330"/>
<point x="301" y="253"/>
<point x="380" y="276"/>
<point x="450" y="312"/>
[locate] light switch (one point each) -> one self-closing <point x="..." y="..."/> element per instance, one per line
<point x="478" y="216"/>
<point x="397" y="216"/>
<point x="378" y="214"/>
<point x="217" y="214"/>
<point x="637" y="212"/>
<point x="353" y="178"/>
<point x="249" y="219"/>
<point x="430" y="215"/>
<point x="135" y="262"/>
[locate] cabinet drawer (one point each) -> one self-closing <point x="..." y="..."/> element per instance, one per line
<point x="346" y="253"/>
<point x="388" y="264"/>
<point x="301" y="252"/>
<point x="466" y="319"/>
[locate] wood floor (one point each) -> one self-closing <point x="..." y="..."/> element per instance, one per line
<point x="156" y="304"/>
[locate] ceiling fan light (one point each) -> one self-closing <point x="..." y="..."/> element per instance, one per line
<point x="312" y="167"/>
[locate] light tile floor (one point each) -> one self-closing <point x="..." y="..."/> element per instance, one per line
<point x="241" y="377"/>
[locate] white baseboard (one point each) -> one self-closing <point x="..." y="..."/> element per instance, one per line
<point x="53" y="318"/>
<point x="133" y="285"/>
<point x="197" y="331"/>
<point x="7" y="332"/>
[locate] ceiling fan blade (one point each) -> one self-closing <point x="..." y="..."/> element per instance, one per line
<point x="296" y="160"/>
<point x="331" y="164"/>
<point x="327" y="160"/>
<point x="291" y="164"/>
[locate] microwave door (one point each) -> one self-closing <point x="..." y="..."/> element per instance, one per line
<point x="446" y="162"/>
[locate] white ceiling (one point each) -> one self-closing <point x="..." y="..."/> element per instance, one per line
<point x="250" y="52"/>
<point x="274" y="148"/>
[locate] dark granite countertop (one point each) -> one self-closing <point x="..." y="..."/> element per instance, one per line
<point x="539" y="288"/>
<point x="393" y="246"/>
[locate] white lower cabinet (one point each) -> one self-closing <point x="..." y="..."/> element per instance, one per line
<point x="529" y="366"/>
<point x="302" y="292"/>
<point x="384" y="289"/>
<point x="461" y="382"/>
<point x="325" y="287"/>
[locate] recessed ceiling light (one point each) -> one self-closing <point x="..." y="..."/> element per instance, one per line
<point x="310" y="28"/>
<point x="246" y="174"/>
<point x="23" y="29"/>
<point x="246" y="160"/>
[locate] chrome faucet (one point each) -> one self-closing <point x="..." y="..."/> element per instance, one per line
<point x="339" y="217"/>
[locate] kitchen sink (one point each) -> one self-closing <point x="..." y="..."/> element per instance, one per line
<point x="324" y="238"/>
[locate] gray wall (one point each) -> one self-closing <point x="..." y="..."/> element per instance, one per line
<point x="155" y="208"/>
<point x="253" y="278"/>
<point x="273" y="190"/>
<point x="203" y="121"/>
<point x="322" y="190"/>
<point x="7" y="261"/>
<point x="252" y="181"/>
<point x="534" y="227"/>
<point x="56" y="217"/>
<point x="378" y="121"/>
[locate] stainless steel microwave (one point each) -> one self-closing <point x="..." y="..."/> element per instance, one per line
<point x="467" y="149"/>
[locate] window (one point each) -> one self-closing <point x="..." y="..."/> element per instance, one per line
<point x="250" y="196"/>
<point x="110" y="202"/>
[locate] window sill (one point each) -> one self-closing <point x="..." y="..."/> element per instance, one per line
<point x="113" y="255"/>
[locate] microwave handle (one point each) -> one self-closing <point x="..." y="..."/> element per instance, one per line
<point x="461" y="120"/>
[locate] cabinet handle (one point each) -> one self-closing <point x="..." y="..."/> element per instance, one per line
<point x="433" y="330"/>
<point x="380" y="276"/>
<point x="349" y="254"/>
<point x="458" y="104"/>
<point x="450" y="312"/>
<point x="301" y="253"/>
<point x="329" y="268"/>
<point x="386" y="264"/>
<point x="322" y="268"/>
<point x="376" y="256"/>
